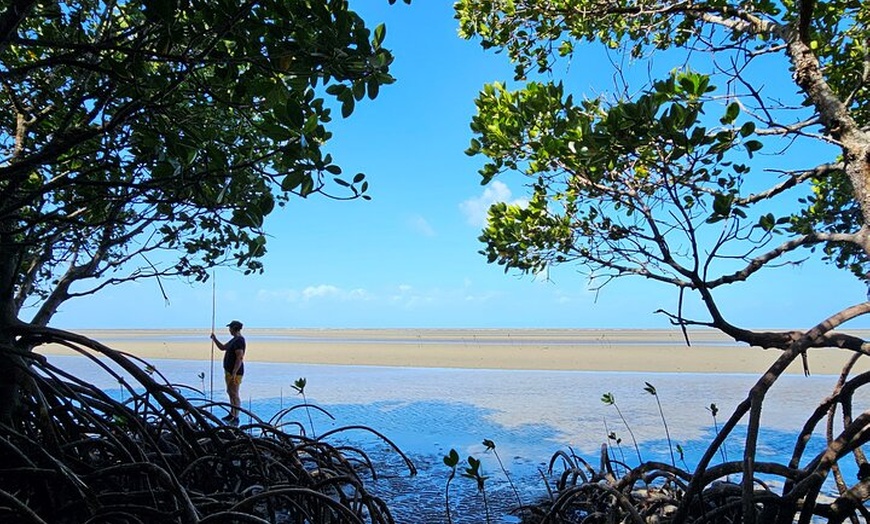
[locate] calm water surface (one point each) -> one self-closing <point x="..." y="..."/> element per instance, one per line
<point x="529" y="415"/>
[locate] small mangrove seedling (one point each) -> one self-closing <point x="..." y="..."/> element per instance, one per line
<point x="649" y="388"/>
<point x="299" y="386"/>
<point x="682" y="457"/>
<point x="201" y="377"/>
<point x="611" y="436"/>
<point x="618" y="441"/>
<point x="714" y="410"/>
<point x="473" y="472"/>
<point x="451" y="460"/>
<point x="610" y="400"/>
<point x="490" y="446"/>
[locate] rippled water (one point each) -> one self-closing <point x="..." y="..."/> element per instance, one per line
<point x="529" y="415"/>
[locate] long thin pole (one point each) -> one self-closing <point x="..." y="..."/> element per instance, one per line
<point x="211" y="380"/>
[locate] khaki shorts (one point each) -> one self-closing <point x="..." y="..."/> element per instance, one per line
<point x="228" y="378"/>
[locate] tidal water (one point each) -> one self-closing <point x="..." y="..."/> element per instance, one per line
<point x="528" y="415"/>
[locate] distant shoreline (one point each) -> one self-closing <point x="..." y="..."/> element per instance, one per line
<point x="642" y="350"/>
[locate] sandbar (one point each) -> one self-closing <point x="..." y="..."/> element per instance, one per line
<point x="645" y="350"/>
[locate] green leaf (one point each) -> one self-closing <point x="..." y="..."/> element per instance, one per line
<point x="373" y="88"/>
<point x="247" y="217"/>
<point x="451" y="459"/>
<point x="722" y="204"/>
<point x="359" y="90"/>
<point x="307" y="185"/>
<point x="292" y="180"/>
<point x="767" y="222"/>
<point x="731" y="113"/>
<point x="380" y="34"/>
<point x="276" y="131"/>
<point x="347" y="107"/>
<point x="753" y="145"/>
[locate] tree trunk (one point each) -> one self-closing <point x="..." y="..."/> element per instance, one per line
<point x="11" y="355"/>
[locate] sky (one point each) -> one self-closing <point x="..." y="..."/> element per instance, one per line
<point x="408" y="258"/>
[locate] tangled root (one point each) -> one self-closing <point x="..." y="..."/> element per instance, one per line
<point x="74" y="454"/>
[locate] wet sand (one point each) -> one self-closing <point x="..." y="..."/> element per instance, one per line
<point x="526" y="349"/>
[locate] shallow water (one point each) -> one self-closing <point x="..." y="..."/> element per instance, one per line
<point x="529" y="415"/>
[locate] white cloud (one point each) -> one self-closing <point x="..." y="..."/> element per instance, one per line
<point x="409" y="297"/>
<point x="475" y="209"/>
<point x="421" y="225"/>
<point x="322" y="290"/>
<point x="277" y="295"/>
<point x="358" y="294"/>
<point x="404" y="296"/>
<point x="312" y="293"/>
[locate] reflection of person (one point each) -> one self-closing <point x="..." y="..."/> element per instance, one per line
<point x="234" y="367"/>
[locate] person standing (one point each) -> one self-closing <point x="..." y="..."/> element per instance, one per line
<point x="234" y="368"/>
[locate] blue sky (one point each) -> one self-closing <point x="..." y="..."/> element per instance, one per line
<point x="409" y="257"/>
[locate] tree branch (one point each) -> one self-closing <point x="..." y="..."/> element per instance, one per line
<point x="793" y="180"/>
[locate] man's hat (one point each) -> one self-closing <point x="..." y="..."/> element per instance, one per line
<point x="235" y="324"/>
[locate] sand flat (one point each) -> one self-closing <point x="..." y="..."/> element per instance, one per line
<point x="529" y="349"/>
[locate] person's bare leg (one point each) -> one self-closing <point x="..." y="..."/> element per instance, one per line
<point x="235" y="399"/>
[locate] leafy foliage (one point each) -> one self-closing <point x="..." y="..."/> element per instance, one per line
<point x="149" y="138"/>
<point x="601" y="175"/>
<point x="679" y="181"/>
<point x="690" y="179"/>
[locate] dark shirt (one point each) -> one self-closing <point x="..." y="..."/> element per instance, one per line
<point x="237" y="342"/>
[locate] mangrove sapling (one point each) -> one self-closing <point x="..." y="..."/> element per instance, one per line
<point x="714" y="411"/>
<point x="473" y="472"/>
<point x="682" y="457"/>
<point x="210" y="397"/>
<point x="612" y="436"/>
<point x="201" y="376"/>
<point x="610" y="400"/>
<point x="649" y="388"/>
<point x="299" y="386"/>
<point x="451" y="460"/>
<point x="490" y="446"/>
<point x="617" y="441"/>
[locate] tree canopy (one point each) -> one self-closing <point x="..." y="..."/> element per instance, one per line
<point x="689" y="178"/>
<point x="664" y="183"/>
<point x="150" y="138"/>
